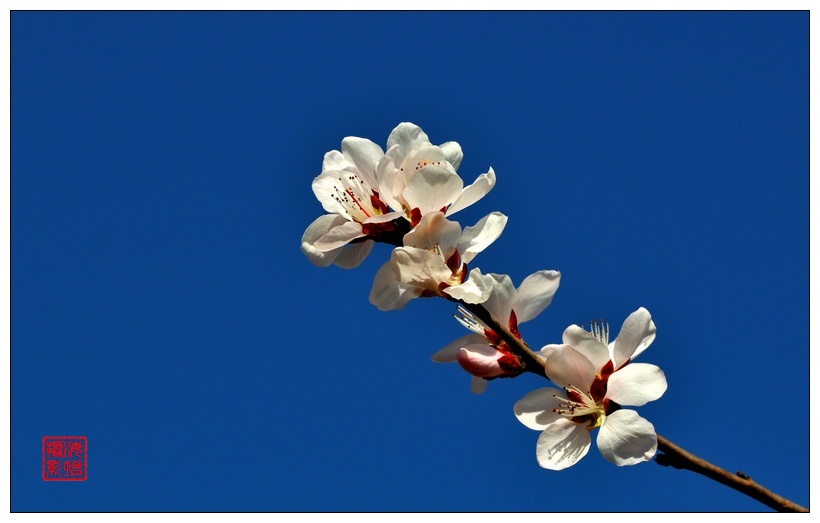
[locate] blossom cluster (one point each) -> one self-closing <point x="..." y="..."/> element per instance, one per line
<point x="404" y="196"/>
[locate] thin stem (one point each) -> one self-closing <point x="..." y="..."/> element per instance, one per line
<point x="676" y="457"/>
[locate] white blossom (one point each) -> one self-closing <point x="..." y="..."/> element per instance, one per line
<point x="596" y="378"/>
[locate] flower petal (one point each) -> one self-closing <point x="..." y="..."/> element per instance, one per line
<point x="566" y="366"/>
<point x="478" y="385"/>
<point x="387" y="293"/>
<point x="546" y="350"/>
<point x="473" y="192"/>
<point x="476" y="289"/>
<point x="478" y="237"/>
<point x="636" y="384"/>
<point x="625" y="438"/>
<point x="481" y="360"/>
<point x="365" y="155"/>
<point x="391" y="182"/>
<point x="637" y="333"/>
<point x="354" y="254"/>
<point x="535" y="294"/>
<point x="646" y="341"/>
<point x="419" y="268"/>
<point x="499" y="304"/>
<point x="326" y="187"/>
<point x="448" y="353"/>
<point x="340" y="236"/>
<point x="452" y="152"/>
<point x="432" y="189"/>
<point x="336" y="161"/>
<point x="382" y="218"/>
<point x="562" y="444"/>
<point x="434" y="229"/>
<point x="587" y="344"/>
<point x="535" y="409"/>
<point x="407" y="136"/>
<point x="316" y="230"/>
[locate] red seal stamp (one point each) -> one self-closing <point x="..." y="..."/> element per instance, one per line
<point x="65" y="458"/>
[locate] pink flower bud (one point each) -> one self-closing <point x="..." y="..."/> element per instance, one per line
<point x="481" y="360"/>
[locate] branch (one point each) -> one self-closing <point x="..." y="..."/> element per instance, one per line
<point x="676" y="457"/>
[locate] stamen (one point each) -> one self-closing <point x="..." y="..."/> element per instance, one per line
<point x="356" y="198"/>
<point x="600" y="330"/>
<point x="577" y="404"/>
<point x="468" y="320"/>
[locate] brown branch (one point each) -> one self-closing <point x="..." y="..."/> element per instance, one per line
<point x="676" y="457"/>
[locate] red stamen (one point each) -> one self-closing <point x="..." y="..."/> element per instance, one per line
<point x="356" y="201"/>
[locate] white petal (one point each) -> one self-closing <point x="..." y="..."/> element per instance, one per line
<point x="478" y="385"/>
<point x="354" y="254"/>
<point x="476" y="289"/>
<point x="546" y="350"/>
<point x="474" y="192"/>
<point x="419" y="268"/>
<point x="425" y="155"/>
<point x="434" y="229"/>
<point x="636" y="384"/>
<point x="587" y="344"/>
<point x="478" y="237"/>
<point x="407" y="136"/>
<point x="625" y="438"/>
<point x="452" y="152"/>
<point x="336" y="161"/>
<point x="535" y="409"/>
<point x="364" y="155"/>
<point x="382" y="218"/>
<point x="432" y="189"/>
<point x="325" y="187"/>
<point x="390" y="181"/>
<point x="566" y="366"/>
<point x="320" y="258"/>
<point x="316" y="230"/>
<point x="449" y="352"/>
<point x="499" y="304"/>
<point x="340" y="236"/>
<point x="387" y="293"/>
<point x="562" y="444"/>
<point x="646" y="341"/>
<point x="637" y="332"/>
<point x="535" y="294"/>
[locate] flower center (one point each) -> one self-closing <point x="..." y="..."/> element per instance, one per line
<point x="458" y="270"/>
<point x="359" y="201"/>
<point x="580" y="407"/>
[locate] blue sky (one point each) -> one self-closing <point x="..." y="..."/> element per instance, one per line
<point x="160" y="183"/>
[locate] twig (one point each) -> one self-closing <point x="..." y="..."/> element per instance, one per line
<point x="676" y="457"/>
